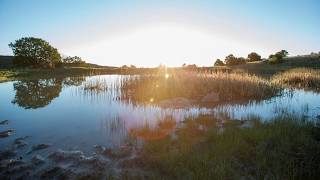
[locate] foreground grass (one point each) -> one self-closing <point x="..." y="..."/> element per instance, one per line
<point x="284" y="148"/>
<point x="308" y="79"/>
<point x="228" y="86"/>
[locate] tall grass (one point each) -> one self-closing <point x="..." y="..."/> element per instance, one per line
<point x="304" y="78"/>
<point x="284" y="148"/>
<point x="228" y="86"/>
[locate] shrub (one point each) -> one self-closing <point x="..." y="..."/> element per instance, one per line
<point x="218" y="63"/>
<point x="253" y="57"/>
<point x="231" y="60"/>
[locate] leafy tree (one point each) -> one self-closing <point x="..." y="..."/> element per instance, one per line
<point x="231" y="60"/>
<point x="283" y="53"/>
<point x="278" y="57"/>
<point x="36" y="52"/>
<point x="219" y="63"/>
<point x="253" y="57"/>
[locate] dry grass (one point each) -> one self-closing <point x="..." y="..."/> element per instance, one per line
<point x="228" y="86"/>
<point x="304" y="78"/>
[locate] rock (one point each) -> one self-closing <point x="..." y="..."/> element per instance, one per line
<point x="6" y="154"/>
<point x="61" y="155"/>
<point x="3" y="122"/>
<point x="40" y="146"/>
<point x="37" y="160"/>
<point x="20" y="142"/>
<point x="6" y="133"/>
<point x="211" y="98"/>
<point x="175" y="103"/>
<point x="57" y="173"/>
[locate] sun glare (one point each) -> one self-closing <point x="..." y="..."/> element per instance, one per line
<point x="166" y="76"/>
<point x="149" y="46"/>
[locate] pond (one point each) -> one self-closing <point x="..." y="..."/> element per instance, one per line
<point x="69" y="114"/>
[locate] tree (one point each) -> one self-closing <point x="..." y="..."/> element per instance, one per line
<point x="283" y="53"/>
<point x="231" y="60"/>
<point x="277" y="57"/>
<point x="36" y="52"/>
<point x="73" y="60"/>
<point x="253" y="57"/>
<point x="219" y="63"/>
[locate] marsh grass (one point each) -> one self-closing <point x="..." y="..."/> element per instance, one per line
<point x="284" y="148"/>
<point x="96" y="85"/>
<point x="303" y="78"/>
<point x="229" y="87"/>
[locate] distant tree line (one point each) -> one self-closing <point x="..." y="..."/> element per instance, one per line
<point x="231" y="60"/>
<point x="38" y="53"/>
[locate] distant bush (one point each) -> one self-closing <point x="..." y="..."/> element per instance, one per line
<point x="34" y="52"/>
<point x="219" y="63"/>
<point x="73" y="60"/>
<point x="277" y="57"/>
<point x="253" y="57"/>
<point x="232" y="60"/>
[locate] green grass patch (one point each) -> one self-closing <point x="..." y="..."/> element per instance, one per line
<point x="284" y="148"/>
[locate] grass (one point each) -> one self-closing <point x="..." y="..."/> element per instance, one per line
<point x="229" y="87"/>
<point x="284" y="148"/>
<point x="308" y="79"/>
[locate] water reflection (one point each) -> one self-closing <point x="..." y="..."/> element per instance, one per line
<point x="81" y="115"/>
<point x="33" y="94"/>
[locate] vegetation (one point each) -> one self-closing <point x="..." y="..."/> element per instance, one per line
<point x="219" y="63"/>
<point x="304" y="78"/>
<point x="34" y="52"/>
<point x="231" y="60"/>
<point x="228" y="86"/>
<point x="278" y="57"/>
<point x="253" y="57"/>
<point x="283" y="148"/>
<point x="73" y="60"/>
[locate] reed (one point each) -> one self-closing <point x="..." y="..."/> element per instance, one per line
<point x="228" y="86"/>
<point x="302" y="78"/>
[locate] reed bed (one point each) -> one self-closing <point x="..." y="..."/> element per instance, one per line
<point x="228" y="86"/>
<point x="302" y="78"/>
<point x="96" y="85"/>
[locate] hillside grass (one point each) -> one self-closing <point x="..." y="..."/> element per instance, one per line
<point x="284" y="148"/>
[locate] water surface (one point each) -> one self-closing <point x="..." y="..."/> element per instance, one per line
<point x="62" y="112"/>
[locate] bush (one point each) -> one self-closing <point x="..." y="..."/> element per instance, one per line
<point x="219" y="63"/>
<point x="232" y="60"/>
<point x="277" y="57"/>
<point x="253" y="57"/>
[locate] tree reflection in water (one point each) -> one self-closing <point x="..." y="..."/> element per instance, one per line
<point x="33" y="94"/>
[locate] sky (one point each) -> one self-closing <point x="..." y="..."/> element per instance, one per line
<point x="147" y="33"/>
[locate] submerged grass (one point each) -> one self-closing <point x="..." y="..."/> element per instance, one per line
<point x="284" y="148"/>
<point x="228" y="86"/>
<point x="304" y="78"/>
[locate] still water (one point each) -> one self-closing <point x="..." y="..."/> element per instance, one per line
<point x="67" y="115"/>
